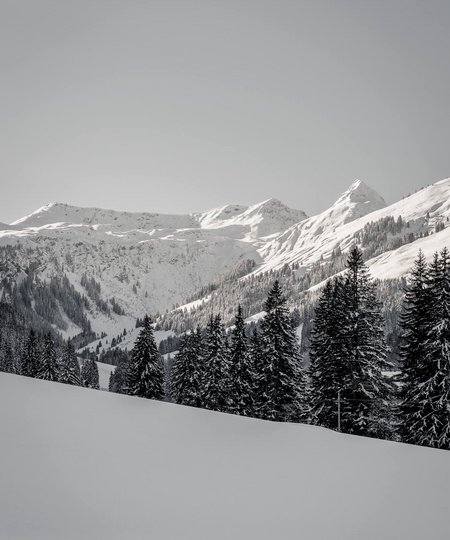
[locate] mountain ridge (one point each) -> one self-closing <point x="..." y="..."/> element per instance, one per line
<point x="150" y="262"/>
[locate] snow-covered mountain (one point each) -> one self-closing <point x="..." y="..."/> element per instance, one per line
<point x="308" y="240"/>
<point x="142" y="262"/>
<point x="252" y="222"/>
<point x="315" y="249"/>
<point x="57" y="213"/>
<point x="76" y="463"/>
<point x="147" y="262"/>
<point x="317" y="237"/>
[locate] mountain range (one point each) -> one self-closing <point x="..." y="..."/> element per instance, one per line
<point x="127" y="264"/>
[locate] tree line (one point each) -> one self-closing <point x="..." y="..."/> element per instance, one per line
<point x="349" y="382"/>
<point x="42" y="358"/>
<point x="222" y="372"/>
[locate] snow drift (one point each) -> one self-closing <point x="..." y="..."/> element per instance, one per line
<point x="81" y="464"/>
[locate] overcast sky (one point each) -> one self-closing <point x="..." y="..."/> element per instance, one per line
<point x="179" y="106"/>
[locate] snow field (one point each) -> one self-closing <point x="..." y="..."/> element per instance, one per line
<point x="82" y="464"/>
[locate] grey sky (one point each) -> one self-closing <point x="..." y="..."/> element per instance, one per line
<point x="178" y="106"/>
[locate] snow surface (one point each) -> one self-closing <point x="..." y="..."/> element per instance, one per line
<point x="80" y="464"/>
<point x="398" y="262"/>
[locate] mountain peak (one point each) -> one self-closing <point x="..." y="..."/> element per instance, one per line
<point x="271" y="216"/>
<point x="261" y="219"/>
<point x="359" y="192"/>
<point x="37" y="213"/>
<point x="271" y="201"/>
<point x="358" y="200"/>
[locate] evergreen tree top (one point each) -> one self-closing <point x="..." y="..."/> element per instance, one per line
<point x="147" y="321"/>
<point x="275" y="299"/>
<point x="239" y="319"/>
<point x="355" y="258"/>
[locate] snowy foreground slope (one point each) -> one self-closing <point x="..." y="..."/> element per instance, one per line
<point x="81" y="464"/>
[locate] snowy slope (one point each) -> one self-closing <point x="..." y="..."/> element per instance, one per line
<point x="398" y="262"/>
<point x="80" y="464"/>
<point x="317" y="237"/>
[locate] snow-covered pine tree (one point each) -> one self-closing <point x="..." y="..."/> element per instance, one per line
<point x="48" y="369"/>
<point x="215" y="394"/>
<point x="257" y="362"/>
<point x="31" y="356"/>
<point x="241" y="374"/>
<point x="328" y="369"/>
<point x="365" y="391"/>
<point x="187" y="371"/>
<point x="415" y="326"/>
<point x="431" y="423"/>
<point x="145" y="374"/>
<point x="89" y="374"/>
<point x="280" y="377"/>
<point x="69" y="368"/>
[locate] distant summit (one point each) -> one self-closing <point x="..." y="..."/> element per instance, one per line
<point x="259" y="220"/>
<point x="357" y="201"/>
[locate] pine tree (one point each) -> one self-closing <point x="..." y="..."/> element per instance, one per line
<point x="431" y="421"/>
<point x="415" y="324"/>
<point x="89" y="374"/>
<point x="187" y="371"/>
<point x="216" y="365"/>
<point x="69" y="368"/>
<point x="365" y="391"/>
<point x="328" y="369"/>
<point x="145" y="375"/>
<point x="280" y="378"/>
<point x="258" y="364"/>
<point x="30" y="357"/>
<point x="241" y="373"/>
<point x="48" y="370"/>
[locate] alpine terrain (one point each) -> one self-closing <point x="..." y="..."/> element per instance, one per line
<point x="90" y="273"/>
